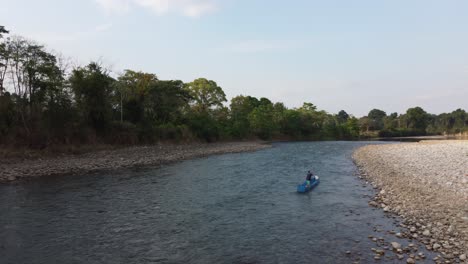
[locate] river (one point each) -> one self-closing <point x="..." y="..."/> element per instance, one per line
<point x="233" y="208"/>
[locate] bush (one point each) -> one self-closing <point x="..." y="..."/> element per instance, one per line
<point x="401" y="133"/>
<point x="123" y="133"/>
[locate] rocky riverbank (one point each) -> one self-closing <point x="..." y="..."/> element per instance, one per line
<point x="426" y="184"/>
<point x="12" y="170"/>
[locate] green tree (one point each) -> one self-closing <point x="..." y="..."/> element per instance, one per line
<point x="364" y="124"/>
<point x="261" y="121"/>
<point x="417" y="119"/>
<point x="310" y="121"/>
<point x="166" y="102"/>
<point x="206" y="95"/>
<point x="391" y="121"/>
<point x="241" y="106"/>
<point x="132" y="88"/>
<point x="342" y="116"/>
<point x="376" y="119"/>
<point x="205" y="98"/>
<point x="352" y="127"/>
<point x="92" y="87"/>
<point x="36" y="81"/>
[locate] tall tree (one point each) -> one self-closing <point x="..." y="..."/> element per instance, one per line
<point x="241" y="106"/>
<point x="92" y="87"/>
<point x="376" y="117"/>
<point x="166" y="102"/>
<point x="391" y="122"/>
<point x="417" y="118"/>
<point x="4" y="57"/>
<point x="35" y="77"/>
<point x="206" y="94"/>
<point x="261" y="121"/>
<point x="342" y="116"/>
<point x="132" y="88"/>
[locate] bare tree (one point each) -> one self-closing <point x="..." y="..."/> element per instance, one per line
<point x="4" y="57"/>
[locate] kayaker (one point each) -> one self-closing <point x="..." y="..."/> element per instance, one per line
<point x="309" y="177"/>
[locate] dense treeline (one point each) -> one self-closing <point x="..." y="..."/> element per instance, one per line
<point x="415" y="122"/>
<point x="43" y="102"/>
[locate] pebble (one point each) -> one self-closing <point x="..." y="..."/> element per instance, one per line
<point x="396" y="245"/>
<point x="407" y="175"/>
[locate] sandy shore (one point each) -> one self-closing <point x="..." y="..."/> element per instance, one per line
<point x="12" y="170"/>
<point x="426" y="184"/>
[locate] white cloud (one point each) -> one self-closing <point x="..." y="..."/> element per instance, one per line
<point x="190" y="8"/>
<point x="197" y="10"/>
<point x="158" y="6"/>
<point x="114" y="6"/>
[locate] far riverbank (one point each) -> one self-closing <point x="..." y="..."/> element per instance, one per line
<point x="15" y="169"/>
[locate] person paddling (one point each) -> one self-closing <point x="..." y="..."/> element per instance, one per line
<point x="309" y="177"/>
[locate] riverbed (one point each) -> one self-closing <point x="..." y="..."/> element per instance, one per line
<point x="232" y="208"/>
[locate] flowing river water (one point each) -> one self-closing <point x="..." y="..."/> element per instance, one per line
<point x="233" y="208"/>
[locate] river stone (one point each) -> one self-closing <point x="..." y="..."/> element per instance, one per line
<point x="396" y="245"/>
<point x="380" y="252"/>
<point x="426" y="233"/>
<point x="413" y="229"/>
<point x="435" y="246"/>
<point x="410" y="261"/>
<point x="462" y="257"/>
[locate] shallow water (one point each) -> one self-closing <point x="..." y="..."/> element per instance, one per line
<point x="234" y="208"/>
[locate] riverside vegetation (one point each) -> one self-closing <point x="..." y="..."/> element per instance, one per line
<point x="44" y="102"/>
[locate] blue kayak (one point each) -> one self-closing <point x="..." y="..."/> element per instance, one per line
<point x="303" y="188"/>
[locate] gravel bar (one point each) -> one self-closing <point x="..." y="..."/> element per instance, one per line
<point x="12" y="170"/>
<point x="426" y="184"/>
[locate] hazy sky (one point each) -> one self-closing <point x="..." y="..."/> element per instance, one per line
<point x="352" y="55"/>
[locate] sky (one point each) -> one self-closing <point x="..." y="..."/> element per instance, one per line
<point x="352" y="55"/>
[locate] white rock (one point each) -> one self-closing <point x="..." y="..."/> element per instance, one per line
<point x="396" y="245"/>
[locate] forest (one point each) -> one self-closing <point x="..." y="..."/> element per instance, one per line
<point x="44" y="101"/>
